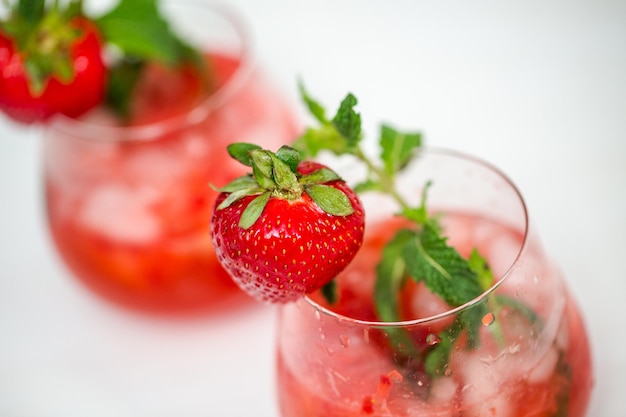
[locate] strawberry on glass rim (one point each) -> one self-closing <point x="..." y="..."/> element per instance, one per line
<point x="450" y="307"/>
<point x="289" y="228"/>
<point x="50" y="62"/>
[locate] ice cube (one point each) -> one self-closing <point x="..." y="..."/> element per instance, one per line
<point x="484" y="391"/>
<point x="443" y="390"/>
<point x="545" y="367"/>
<point x="120" y="213"/>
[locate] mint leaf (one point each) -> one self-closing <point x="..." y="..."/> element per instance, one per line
<point x="326" y="137"/>
<point x="142" y="34"/>
<point x="391" y="272"/>
<point x="31" y="10"/>
<point x="479" y="265"/>
<point x="139" y="30"/>
<point x="329" y="292"/>
<point x="348" y="122"/>
<point x="122" y="78"/>
<point x="314" y="107"/>
<point x="397" y="148"/>
<point x="440" y="266"/>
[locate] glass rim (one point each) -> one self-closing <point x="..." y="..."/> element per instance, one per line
<point x="214" y="101"/>
<point x="471" y="303"/>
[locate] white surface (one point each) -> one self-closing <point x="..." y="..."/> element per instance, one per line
<point x="538" y="88"/>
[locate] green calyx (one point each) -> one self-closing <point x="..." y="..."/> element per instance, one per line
<point x="134" y="32"/>
<point x="275" y="175"/>
<point x="44" y="38"/>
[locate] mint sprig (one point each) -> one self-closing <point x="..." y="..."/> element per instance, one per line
<point x="141" y="34"/>
<point x="419" y="251"/>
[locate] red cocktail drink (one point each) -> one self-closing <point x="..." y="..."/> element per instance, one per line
<point x="129" y="204"/>
<point x="518" y="350"/>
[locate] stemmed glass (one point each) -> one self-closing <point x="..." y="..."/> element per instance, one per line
<point x="518" y="350"/>
<point x="128" y="206"/>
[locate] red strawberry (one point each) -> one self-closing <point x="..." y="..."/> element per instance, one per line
<point x="51" y="65"/>
<point x="287" y="230"/>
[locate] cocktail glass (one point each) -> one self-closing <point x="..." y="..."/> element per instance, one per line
<point x="129" y="206"/>
<point x="518" y="350"/>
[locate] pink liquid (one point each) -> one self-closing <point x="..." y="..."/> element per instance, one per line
<point x="131" y="218"/>
<point x="326" y="368"/>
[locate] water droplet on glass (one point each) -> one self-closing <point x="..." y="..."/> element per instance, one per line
<point x="344" y="340"/>
<point x="488" y="319"/>
<point x="317" y="315"/>
<point x="432" y="339"/>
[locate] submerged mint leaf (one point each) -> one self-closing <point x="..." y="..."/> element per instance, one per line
<point x="329" y="291"/>
<point x="479" y="265"/>
<point x="122" y="78"/>
<point x="391" y="272"/>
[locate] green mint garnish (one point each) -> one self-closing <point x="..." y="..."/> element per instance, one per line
<point x="141" y="34"/>
<point x="418" y="251"/>
<point x="137" y="28"/>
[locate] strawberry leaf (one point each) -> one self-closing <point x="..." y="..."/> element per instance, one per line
<point x="263" y="168"/>
<point x="319" y="176"/>
<point x="254" y="210"/>
<point x="240" y="193"/>
<point x="240" y="183"/>
<point x="241" y="152"/>
<point x="290" y="156"/>
<point x="285" y="179"/>
<point x="330" y="199"/>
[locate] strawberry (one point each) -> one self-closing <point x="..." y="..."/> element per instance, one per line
<point x="287" y="229"/>
<point x="50" y="62"/>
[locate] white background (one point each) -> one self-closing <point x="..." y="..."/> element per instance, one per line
<point x="538" y="88"/>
